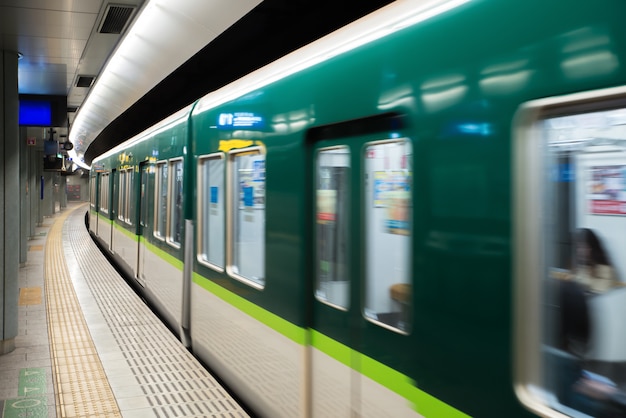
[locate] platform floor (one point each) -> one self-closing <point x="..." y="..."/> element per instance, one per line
<point x="89" y="347"/>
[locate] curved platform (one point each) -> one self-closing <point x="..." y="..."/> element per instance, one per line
<point x="89" y="347"/>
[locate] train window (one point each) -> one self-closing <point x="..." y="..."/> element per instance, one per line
<point x="143" y="195"/>
<point x="570" y="276"/>
<point x="114" y="194"/>
<point x="129" y="204"/>
<point x="388" y="178"/>
<point x="332" y="215"/>
<point x="121" y="200"/>
<point x="211" y="211"/>
<point x="247" y="246"/>
<point x="92" y="192"/>
<point x="175" y="224"/>
<point x="160" y="202"/>
<point x="130" y="200"/>
<point x="104" y="193"/>
<point x="125" y="196"/>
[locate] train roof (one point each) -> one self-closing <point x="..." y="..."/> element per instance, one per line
<point x="383" y="22"/>
<point x="167" y="123"/>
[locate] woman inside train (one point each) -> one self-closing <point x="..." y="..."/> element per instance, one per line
<point x="593" y="267"/>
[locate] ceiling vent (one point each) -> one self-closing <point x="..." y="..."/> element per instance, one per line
<point x="85" y="80"/>
<point x="116" y="18"/>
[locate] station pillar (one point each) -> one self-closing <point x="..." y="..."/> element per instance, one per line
<point x="9" y="200"/>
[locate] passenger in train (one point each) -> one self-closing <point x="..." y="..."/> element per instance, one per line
<point x="593" y="267"/>
<point x="574" y="318"/>
<point x="576" y="387"/>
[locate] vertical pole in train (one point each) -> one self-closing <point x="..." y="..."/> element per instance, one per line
<point x="9" y="204"/>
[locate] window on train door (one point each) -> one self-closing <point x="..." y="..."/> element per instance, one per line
<point x="104" y="193"/>
<point x="92" y="192"/>
<point x="211" y="211"/>
<point x="570" y="272"/>
<point x="175" y="221"/>
<point x="130" y="196"/>
<point x="114" y="195"/>
<point x="332" y="223"/>
<point x="388" y="177"/>
<point x="143" y="197"/>
<point x="121" y="200"/>
<point x="160" y="201"/>
<point x="247" y="243"/>
<point x="130" y="201"/>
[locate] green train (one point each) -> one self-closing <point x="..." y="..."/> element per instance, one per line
<point x="417" y="215"/>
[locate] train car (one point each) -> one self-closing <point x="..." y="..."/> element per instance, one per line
<point x="141" y="222"/>
<point x="417" y="215"/>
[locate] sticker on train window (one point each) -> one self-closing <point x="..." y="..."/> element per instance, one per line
<point x="570" y="269"/>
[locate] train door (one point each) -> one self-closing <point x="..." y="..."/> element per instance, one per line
<point x="115" y="198"/>
<point x="144" y="221"/>
<point x="570" y="269"/>
<point x="361" y="272"/>
<point x="333" y="318"/>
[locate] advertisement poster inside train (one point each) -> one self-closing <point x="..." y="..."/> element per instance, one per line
<point x="252" y="184"/>
<point x="607" y="190"/>
<point x="326" y="206"/>
<point x="392" y="191"/>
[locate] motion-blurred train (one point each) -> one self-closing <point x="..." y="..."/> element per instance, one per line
<point x="382" y="223"/>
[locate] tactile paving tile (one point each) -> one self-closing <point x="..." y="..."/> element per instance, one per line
<point x="174" y="383"/>
<point x="81" y="386"/>
<point x="29" y="296"/>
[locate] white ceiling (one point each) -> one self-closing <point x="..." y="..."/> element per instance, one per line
<point x="59" y="40"/>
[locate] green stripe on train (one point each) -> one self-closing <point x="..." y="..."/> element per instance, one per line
<point x="273" y="321"/>
<point x="129" y="233"/>
<point x="393" y="380"/>
<point x="161" y="254"/>
<point x="104" y="217"/>
<point x="423" y="403"/>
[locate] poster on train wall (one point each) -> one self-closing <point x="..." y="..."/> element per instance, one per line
<point x="392" y="192"/>
<point x="607" y="190"/>
<point x="326" y="206"/>
<point x="380" y="187"/>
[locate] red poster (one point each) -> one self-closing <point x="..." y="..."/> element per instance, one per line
<point x="607" y="190"/>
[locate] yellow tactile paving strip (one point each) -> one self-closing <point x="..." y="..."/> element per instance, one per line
<point x="29" y="296"/>
<point x="81" y="386"/>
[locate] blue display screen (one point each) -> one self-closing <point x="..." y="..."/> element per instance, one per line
<point x="240" y="120"/>
<point x="35" y="113"/>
